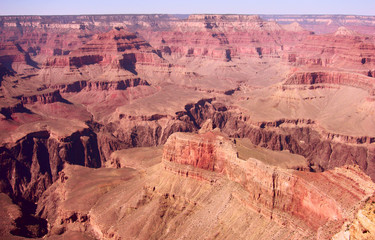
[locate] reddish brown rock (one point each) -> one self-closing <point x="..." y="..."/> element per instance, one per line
<point x="332" y="77"/>
<point x="14" y="58"/>
<point x="75" y="89"/>
<point x="323" y="149"/>
<point x="43" y="97"/>
<point x="238" y="192"/>
<point x="116" y="48"/>
<point x="208" y="151"/>
<point x="102" y="85"/>
<point x="223" y="37"/>
<point x="315" y="199"/>
<point x="344" y="49"/>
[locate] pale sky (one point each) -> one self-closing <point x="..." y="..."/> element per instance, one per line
<point x="73" y="7"/>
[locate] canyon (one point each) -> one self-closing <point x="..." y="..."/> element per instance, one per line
<point x="178" y="127"/>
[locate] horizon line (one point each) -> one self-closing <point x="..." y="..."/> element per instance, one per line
<point x="245" y="14"/>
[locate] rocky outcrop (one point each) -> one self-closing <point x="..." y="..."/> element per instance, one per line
<point x="223" y="37"/>
<point x="57" y="62"/>
<point x="113" y="56"/>
<point x="117" y="46"/>
<point x="43" y="97"/>
<point x="339" y="78"/>
<point x="15" y="59"/>
<point x="274" y="192"/>
<point x="143" y="131"/>
<point x="345" y="50"/>
<point x="101" y="86"/>
<point x="10" y="53"/>
<point x="84" y="60"/>
<point x="363" y="225"/>
<point x="323" y="150"/>
<point x="31" y="164"/>
<point x="200" y="176"/>
<point x="207" y="151"/>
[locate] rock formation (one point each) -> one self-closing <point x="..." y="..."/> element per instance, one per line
<point x="285" y="118"/>
<point x="32" y="163"/>
<point x="273" y="192"/>
<point x="198" y="177"/>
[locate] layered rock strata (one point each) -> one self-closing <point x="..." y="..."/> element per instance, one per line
<point x="332" y="77"/>
<point x="323" y="149"/>
<point x="276" y="193"/>
<point x="123" y="92"/>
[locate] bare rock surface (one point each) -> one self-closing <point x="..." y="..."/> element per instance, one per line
<point x="285" y="118"/>
<point x="174" y="195"/>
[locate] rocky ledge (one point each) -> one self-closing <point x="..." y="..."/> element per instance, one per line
<point x="317" y="202"/>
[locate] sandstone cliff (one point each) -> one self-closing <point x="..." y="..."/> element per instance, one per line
<point x="274" y="192"/>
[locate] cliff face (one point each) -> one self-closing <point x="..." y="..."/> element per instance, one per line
<point x="342" y="49"/>
<point x="113" y="56"/>
<point x="323" y="149"/>
<point x="301" y="136"/>
<point x="101" y="85"/>
<point x="43" y="97"/>
<point x="276" y="193"/>
<point x="14" y="58"/>
<point x="223" y="37"/>
<point x="200" y="177"/>
<point x="207" y="151"/>
<point x="331" y="77"/>
<point x="31" y="164"/>
<point x="344" y="58"/>
<point x="363" y="225"/>
<point x="106" y="47"/>
<point x="144" y="131"/>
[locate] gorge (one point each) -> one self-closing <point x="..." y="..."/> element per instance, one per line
<point x="177" y="127"/>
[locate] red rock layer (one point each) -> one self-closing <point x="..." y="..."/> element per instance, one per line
<point x="114" y="47"/>
<point x="42" y="97"/>
<point x="223" y="37"/>
<point x="101" y="86"/>
<point x="208" y="151"/>
<point x="323" y="150"/>
<point x="313" y="199"/>
<point x="350" y="51"/>
<point x="332" y="77"/>
<point x="10" y="53"/>
<point x="112" y="56"/>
